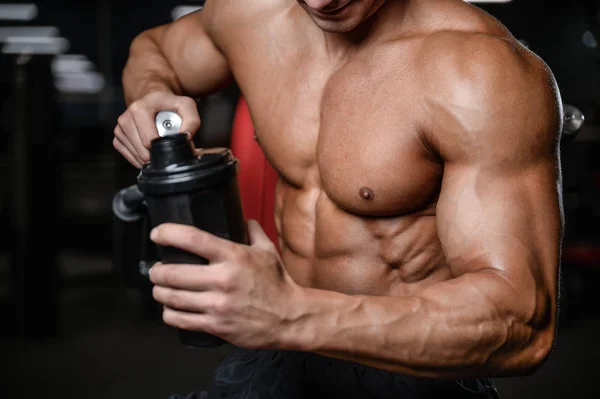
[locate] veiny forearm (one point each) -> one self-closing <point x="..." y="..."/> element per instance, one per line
<point x="147" y="69"/>
<point x="454" y="329"/>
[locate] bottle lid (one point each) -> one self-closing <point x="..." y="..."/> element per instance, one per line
<point x="175" y="167"/>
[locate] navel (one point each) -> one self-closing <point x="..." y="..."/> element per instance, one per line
<point x="367" y="193"/>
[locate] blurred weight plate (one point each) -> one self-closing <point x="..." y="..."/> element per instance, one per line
<point x="573" y="120"/>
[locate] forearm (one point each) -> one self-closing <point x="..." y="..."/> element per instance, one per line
<point x="180" y="57"/>
<point x="452" y="330"/>
<point x="147" y="69"/>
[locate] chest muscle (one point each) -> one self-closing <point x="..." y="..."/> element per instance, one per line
<point x="346" y="130"/>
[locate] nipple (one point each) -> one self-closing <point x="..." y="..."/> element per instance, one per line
<point x="367" y="193"/>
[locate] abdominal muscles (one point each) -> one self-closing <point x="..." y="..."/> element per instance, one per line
<point x="325" y="247"/>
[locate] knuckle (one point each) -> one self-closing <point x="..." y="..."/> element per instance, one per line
<point x="146" y="142"/>
<point x="241" y="255"/>
<point x="219" y="329"/>
<point x="227" y="282"/>
<point x="184" y="323"/>
<point x="174" y="300"/>
<point x="154" y="95"/>
<point x="135" y="106"/>
<point x="170" y="277"/>
<point x="198" y="238"/>
<point x="144" y="159"/>
<point x="270" y="246"/>
<point x="222" y="305"/>
<point x="188" y="102"/>
<point x="118" y="132"/>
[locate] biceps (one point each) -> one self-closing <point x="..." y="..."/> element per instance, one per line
<point x="509" y="223"/>
<point x="199" y="65"/>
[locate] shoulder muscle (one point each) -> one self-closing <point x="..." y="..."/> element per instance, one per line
<point x="488" y="94"/>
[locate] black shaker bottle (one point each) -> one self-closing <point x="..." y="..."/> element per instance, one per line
<point x="181" y="187"/>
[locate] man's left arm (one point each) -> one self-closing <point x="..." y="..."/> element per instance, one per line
<point x="497" y="315"/>
<point x="499" y="220"/>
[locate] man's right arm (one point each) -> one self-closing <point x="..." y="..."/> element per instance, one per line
<point x="179" y="57"/>
<point x="167" y="67"/>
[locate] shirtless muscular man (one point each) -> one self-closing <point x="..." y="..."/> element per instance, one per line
<point x="418" y="205"/>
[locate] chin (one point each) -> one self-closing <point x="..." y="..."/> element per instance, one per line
<point x="342" y="26"/>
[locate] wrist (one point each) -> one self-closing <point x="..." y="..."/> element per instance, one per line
<point x="136" y="88"/>
<point x="292" y="332"/>
<point x="311" y="318"/>
<point x="150" y="87"/>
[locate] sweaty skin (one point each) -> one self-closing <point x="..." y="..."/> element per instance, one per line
<point x="419" y="193"/>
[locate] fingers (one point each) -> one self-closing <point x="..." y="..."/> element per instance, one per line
<point x="188" y="301"/>
<point x="136" y="127"/>
<point x="188" y="277"/>
<point x="120" y="135"/>
<point x="198" y="152"/>
<point x="194" y="240"/>
<point x="146" y="127"/>
<point x="126" y="152"/>
<point x="188" y="110"/>
<point x="188" y="321"/>
<point x="257" y="236"/>
<point x="131" y="135"/>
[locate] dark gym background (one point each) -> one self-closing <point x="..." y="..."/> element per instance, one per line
<point x="70" y="328"/>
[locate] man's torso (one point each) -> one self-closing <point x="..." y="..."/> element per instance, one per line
<point x="356" y="198"/>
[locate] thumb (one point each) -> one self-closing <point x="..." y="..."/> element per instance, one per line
<point x="190" y="119"/>
<point x="257" y="236"/>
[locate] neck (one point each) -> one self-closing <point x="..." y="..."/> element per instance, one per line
<point x="387" y="19"/>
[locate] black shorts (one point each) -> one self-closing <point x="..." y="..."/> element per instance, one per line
<point x="261" y="374"/>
